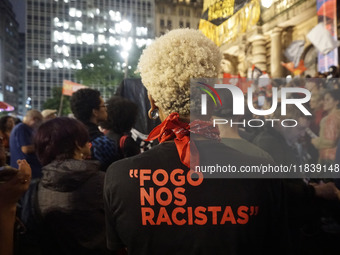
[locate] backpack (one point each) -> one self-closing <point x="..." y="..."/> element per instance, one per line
<point x="128" y="147"/>
<point x="122" y="141"/>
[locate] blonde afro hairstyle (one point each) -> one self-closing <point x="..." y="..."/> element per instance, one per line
<point x="167" y="65"/>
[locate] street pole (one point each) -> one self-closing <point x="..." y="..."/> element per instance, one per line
<point x="126" y="67"/>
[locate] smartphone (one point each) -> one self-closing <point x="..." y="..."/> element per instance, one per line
<point x="7" y="173"/>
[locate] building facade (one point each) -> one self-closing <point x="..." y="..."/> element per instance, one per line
<point x="9" y="46"/>
<point x="264" y="44"/>
<point x="21" y="82"/>
<point x="172" y="14"/>
<point x="60" y="32"/>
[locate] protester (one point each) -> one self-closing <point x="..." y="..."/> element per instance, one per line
<point x="155" y="204"/>
<point x="21" y="144"/>
<point x="315" y="85"/>
<point x="88" y="106"/>
<point x="303" y="200"/>
<point x="70" y="195"/>
<point x="329" y="134"/>
<point x="337" y="161"/>
<point x="280" y="141"/>
<point x="6" y="126"/>
<point x="12" y="187"/>
<point x="122" y="114"/>
<point x="229" y="133"/>
<point x="316" y="105"/>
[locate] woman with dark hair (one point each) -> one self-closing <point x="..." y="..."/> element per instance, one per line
<point x="70" y="193"/>
<point x="122" y="114"/>
<point x="329" y="133"/>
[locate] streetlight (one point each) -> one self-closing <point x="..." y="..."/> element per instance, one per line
<point x="125" y="56"/>
<point x="126" y="44"/>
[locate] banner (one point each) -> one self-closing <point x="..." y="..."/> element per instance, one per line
<point x="221" y="10"/>
<point x="69" y="87"/>
<point x="223" y="20"/>
<point x="326" y="10"/>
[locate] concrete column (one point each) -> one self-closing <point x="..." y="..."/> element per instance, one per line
<point x="242" y="65"/>
<point x="258" y="52"/>
<point x="276" y="53"/>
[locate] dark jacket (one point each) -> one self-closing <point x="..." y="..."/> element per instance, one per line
<point x="303" y="205"/>
<point x="71" y="203"/>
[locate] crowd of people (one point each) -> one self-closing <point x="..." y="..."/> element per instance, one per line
<point x="83" y="185"/>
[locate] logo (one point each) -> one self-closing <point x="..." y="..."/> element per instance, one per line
<point x="207" y="91"/>
<point x="238" y="106"/>
<point x="238" y="99"/>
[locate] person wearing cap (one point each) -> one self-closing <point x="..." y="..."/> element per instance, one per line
<point x="49" y="114"/>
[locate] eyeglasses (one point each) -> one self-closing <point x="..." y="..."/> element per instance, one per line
<point x="102" y="105"/>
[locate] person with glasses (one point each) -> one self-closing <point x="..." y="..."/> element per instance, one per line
<point x="88" y="106"/>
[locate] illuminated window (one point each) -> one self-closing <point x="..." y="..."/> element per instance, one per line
<point x="79" y="25"/>
<point x="141" y="31"/>
<point x="87" y="38"/>
<point x="78" y="13"/>
<point x="72" y="12"/>
<point x="101" y="39"/>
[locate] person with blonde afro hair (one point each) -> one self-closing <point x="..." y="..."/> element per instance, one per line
<point x="155" y="203"/>
<point x="166" y="72"/>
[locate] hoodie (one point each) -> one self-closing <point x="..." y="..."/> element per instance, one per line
<point x="71" y="202"/>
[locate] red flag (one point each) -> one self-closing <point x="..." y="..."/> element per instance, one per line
<point x="295" y="70"/>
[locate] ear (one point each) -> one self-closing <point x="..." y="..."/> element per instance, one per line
<point x="78" y="148"/>
<point x="95" y="112"/>
<point x="77" y="154"/>
<point x="152" y="104"/>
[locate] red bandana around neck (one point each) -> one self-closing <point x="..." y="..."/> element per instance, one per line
<point x="172" y="128"/>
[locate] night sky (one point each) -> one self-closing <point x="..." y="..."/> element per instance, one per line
<point x="19" y="10"/>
